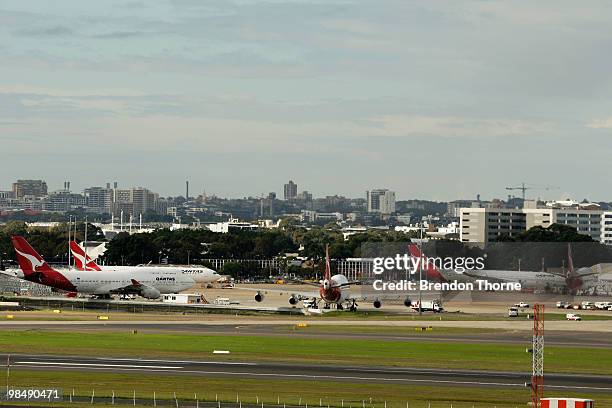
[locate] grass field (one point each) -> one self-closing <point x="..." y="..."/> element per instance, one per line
<point x="287" y="392"/>
<point x="307" y="350"/>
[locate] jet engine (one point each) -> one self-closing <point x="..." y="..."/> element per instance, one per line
<point x="150" y="293"/>
<point x="407" y="302"/>
<point x="293" y="300"/>
<point x="259" y="297"/>
<point x="377" y="304"/>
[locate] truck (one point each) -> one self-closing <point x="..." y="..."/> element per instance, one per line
<point x="428" y="306"/>
<point x="513" y="312"/>
<point x="572" y="316"/>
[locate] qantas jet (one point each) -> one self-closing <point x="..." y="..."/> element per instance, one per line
<point x="85" y="263"/>
<point x="140" y="281"/>
<point x="332" y="290"/>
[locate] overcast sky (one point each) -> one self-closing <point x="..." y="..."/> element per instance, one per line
<point x="433" y="99"/>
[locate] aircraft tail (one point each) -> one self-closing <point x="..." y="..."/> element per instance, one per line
<point x="431" y="272"/>
<point x="29" y="260"/>
<point x="570" y="261"/>
<point x="327" y="264"/>
<point x="82" y="261"/>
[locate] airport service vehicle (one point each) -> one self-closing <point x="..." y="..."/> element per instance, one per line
<point x="572" y="316"/>
<point x="521" y="305"/>
<point x="427" y="306"/>
<point x="140" y="281"/>
<point x="603" y="305"/>
<point x="562" y="304"/>
<point x="83" y="262"/>
<point x="586" y="305"/>
<point x="513" y="312"/>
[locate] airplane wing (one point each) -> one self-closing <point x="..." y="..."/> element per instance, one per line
<point x="299" y="293"/>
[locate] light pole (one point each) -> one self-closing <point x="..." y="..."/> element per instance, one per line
<point x="421" y="270"/>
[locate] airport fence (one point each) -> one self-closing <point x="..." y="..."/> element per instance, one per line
<point x="109" y="398"/>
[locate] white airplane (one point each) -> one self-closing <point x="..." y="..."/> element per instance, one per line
<point x="146" y="282"/>
<point x="83" y="262"/>
<point x="573" y="280"/>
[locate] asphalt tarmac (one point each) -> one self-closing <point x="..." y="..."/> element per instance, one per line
<point x="556" y="338"/>
<point x="288" y="371"/>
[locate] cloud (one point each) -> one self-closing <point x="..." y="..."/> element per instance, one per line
<point x="600" y="124"/>
<point x="456" y="126"/>
<point x="55" y="31"/>
<point x="113" y="35"/>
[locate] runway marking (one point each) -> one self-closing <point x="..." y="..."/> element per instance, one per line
<point x="179" y="361"/>
<point x="58" y="363"/>
<point x="314" y="377"/>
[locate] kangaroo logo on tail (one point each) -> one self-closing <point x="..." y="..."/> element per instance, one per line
<point x="82" y="261"/>
<point x="34" y="262"/>
<point x="29" y="260"/>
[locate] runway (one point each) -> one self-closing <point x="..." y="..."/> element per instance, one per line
<point x="553" y="338"/>
<point x="321" y="372"/>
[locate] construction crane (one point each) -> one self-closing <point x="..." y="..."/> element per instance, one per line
<point x="524" y="187"/>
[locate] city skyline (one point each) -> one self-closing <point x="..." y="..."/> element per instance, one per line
<point x="436" y="100"/>
<point x="68" y="185"/>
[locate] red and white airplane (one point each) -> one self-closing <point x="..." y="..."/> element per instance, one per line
<point x="332" y="290"/>
<point x="140" y="281"/>
<point x="83" y="262"/>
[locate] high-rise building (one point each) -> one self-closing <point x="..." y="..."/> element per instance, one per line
<point x="381" y="201"/>
<point x="304" y="196"/>
<point x="99" y="199"/>
<point x="34" y="188"/>
<point x="290" y="191"/>
<point x="135" y="201"/>
<point x="62" y="201"/>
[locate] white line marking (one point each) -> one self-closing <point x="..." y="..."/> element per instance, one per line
<point x="57" y="363"/>
<point x="178" y="361"/>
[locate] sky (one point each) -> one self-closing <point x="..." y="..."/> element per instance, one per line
<point x="436" y="100"/>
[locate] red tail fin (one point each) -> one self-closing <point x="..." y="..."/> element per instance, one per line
<point x="29" y="260"/>
<point x="570" y="261"/>
<point x="327" y="264"/>
<point x="81" y="261"/>
<point x="431" y="272"/>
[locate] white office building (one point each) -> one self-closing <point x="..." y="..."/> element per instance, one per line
<point x="489" y="224"/>
<point x="381" y="201"/>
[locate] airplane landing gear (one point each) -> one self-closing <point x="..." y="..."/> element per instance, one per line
<point x="353" y="307"/>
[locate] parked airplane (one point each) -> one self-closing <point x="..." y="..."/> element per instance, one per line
<point x="572" y="281"/>
<point x="146" y="282"/>
<point x="332" y="290"/>
<point x="83" y="262"/>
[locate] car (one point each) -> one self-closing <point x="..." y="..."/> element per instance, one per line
<point x="522" y="305"/>
<point x="587" y="305"/>
<point x="562" y="304"/>
<point x="513" y="312"/>
<point x="603" y="305"/>
<point x="572" y="316"/>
